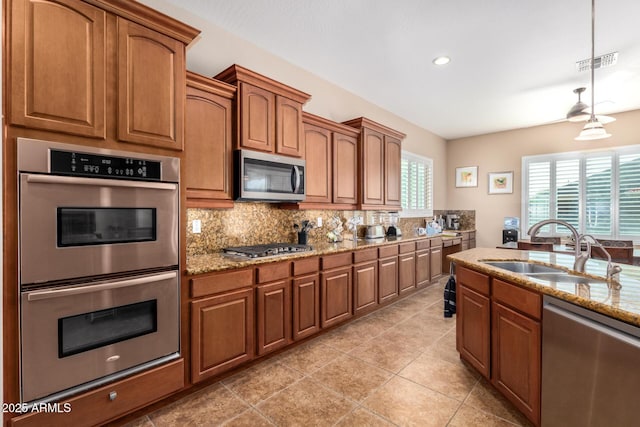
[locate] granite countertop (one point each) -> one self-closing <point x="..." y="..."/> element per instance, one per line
<point x="620" y="300"/>
<point x="209" y="263"/>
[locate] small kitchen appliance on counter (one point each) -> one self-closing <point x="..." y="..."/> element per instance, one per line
<point x="374" y="232"/>
<point x="453" y="222"/>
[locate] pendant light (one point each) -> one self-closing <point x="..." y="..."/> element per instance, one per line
<point x="594" y="128"/>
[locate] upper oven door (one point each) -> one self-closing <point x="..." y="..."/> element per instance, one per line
<point x="73" y="227"/>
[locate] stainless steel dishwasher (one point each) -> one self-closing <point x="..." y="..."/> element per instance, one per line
<point x="590" y="368"/>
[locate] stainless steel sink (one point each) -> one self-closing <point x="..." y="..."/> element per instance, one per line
<point x="566" y="278"/>
<point x="524" y="267"/>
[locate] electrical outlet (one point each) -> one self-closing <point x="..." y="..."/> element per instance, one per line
<point x="196" y="226"/>
<point x="319" y="222"/>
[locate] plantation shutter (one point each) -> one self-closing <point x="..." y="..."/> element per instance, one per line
<point x="568" y="191"/>
<point x="539" y="191"/>
<point x="416" y="185"/>
<point x="629" y="195"/>
<point x="598" y="197"/>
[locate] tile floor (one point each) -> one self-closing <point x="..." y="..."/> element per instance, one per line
<point x="397" y="366"/>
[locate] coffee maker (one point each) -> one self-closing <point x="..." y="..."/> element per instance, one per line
<point x="453" y="222"/>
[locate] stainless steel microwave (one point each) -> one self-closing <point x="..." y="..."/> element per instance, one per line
<point x="269" y="177"/>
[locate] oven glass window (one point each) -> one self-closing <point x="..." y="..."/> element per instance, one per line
<point x="87" y="331"/>
<point x="100" y="226"/>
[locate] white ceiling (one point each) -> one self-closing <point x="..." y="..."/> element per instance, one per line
<point x="513" y="61"/>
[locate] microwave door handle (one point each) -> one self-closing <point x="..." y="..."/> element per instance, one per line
<point x="295" y="179"/>
<point x="77" y="290"/>
<point x="72" y="180"/>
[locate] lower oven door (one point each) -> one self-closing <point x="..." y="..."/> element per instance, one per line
<point x="74" y="335"/>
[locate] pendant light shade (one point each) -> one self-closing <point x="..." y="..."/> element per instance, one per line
<point x="594" y="128"/>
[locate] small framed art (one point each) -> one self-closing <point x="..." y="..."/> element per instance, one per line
<point x="467" y="176"/>
<point x="500" y="182"/>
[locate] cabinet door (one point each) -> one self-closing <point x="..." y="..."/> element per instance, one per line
<point x="317" y="143"/>
<point x="365" y="287"/>
<point x="306" y="306"/>
<point x="208" y="149"/>
<point x="58" y="74"/>
<point x="407" y="272"/>
<point x="473" y="328"/>
<point x="257" y="118"/>
<point x="373" y="167"/>
<point x="387" y="279"/>
<point x="516" y="359"/>
<point x="151" y="87"/>
<point x="336" y="296"/>
<point x="392" y="171"/>
<point x="289" y="137"/>
<point x="274" y="316"/>
<point x="436" y="263"/>
<point x="221" y="333"/>
<point x="423" y="270"/>
<point x="345" y="169"/>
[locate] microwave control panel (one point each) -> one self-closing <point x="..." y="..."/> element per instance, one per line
<point x="100" y="166"/>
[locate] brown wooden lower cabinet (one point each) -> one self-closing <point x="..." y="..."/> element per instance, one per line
<point x="473" y="328"/>
<point x="97" y="406"/>
<point x="387" y="279"/>
<point x="516" y="359"/>
<point x="336" y="296"/>
<point x="306" y="306"/>
<point x="423" y="267"/>
<point x="365" y="287"/>
<point x="406" y="272"/>
<point x="274" y="316"/>
<point x="436" y="262"/>
<point x="222" y="333"/>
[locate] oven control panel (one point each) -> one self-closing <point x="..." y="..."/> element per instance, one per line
<point x="96" y="165"/>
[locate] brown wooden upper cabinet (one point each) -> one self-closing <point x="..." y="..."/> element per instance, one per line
<point x="379" y="171"/>
<point x="330" y="151"/>
<point x="208" y="139"/>
<point x="269" y="113"/>
<point x="60" y="59"/>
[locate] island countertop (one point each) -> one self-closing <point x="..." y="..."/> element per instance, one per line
<point x="620" y="300"/>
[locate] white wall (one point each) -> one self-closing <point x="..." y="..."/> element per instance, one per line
<point x="503" y="151"/>
<point x="216" y="49"/>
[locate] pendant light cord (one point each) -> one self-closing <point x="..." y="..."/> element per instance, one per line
<point x="593" y="55"/>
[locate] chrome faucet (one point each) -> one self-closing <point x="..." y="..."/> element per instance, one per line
<point x="580" y="257"/>
<point x="612" y="270"/>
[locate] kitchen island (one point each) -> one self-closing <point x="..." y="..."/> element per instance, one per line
<point x="501" y="323"/>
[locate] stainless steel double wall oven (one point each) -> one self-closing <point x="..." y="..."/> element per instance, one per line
<point x="98" y="256"/>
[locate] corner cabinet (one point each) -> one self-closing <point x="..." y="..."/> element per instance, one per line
<point x="379" y="174"/>
<point x="208" y="139"/>
<point x="498" y="332"/>
<point x="69" y="57"/>
<point x="269" y="113"/>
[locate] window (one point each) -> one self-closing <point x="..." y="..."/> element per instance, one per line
<point x="416" y="186"/>
<point x="596" y="192"/>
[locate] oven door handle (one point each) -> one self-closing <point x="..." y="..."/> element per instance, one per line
<point x="76" y="290"/>
<point x="98" y="182"/>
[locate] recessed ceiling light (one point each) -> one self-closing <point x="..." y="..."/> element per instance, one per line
<point x="442" y="60"/>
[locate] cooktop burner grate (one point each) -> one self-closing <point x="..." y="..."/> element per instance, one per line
<point x="271" y="249"/>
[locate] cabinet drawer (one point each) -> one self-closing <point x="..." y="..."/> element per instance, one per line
<point x="270" y="272"/>
<point x="388" y="251"/>
<point x="338" y="260"/>
<point x="96" y="407"/>
<point x="220" y="282"/>
<point x="436" y="241"/>
<point x="423" y="244"/>
<point x="306" y="266"/>
<point x="446" y="243"/>
<point x="472" y="235"/>
<point x="465" y="236"/>
<point x="405" y="248"/>
<point x="365" y="255"/>
<point x="526" y="301"/>
<point x="471" y="279"/>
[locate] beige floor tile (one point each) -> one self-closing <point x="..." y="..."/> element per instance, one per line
<point x="445" y="348"/>
<point x="351" y="377"/>
<point x="386" y="354"/>
<point x="360" y="417"/>
<point x="471" y="417"/>
<point x="249" y="418"/>
<point x="344" y="338"/>
<point x="309" y="357"/>
<point x="426" y="322"/>
<point x="411" y="304"/>
<point x="208" y="407"/>
<point x="408" y="404"/>
<point x="409" y="336"/>
<point x="454" y="380"/>
<point x="140" y="422"/>
<point x="305" y="403"/>
<point x="261" y="381"/>
<point x="393" y="315"/>
<point x="487" y="399"/>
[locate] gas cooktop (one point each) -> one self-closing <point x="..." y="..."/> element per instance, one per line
<point x="271" y="249"/>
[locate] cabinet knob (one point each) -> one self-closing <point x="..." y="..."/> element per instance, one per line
<point x="113" y="395"/>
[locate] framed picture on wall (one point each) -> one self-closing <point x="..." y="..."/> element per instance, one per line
<point x="467" y="176"/>
<point x="500" y="182"/>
